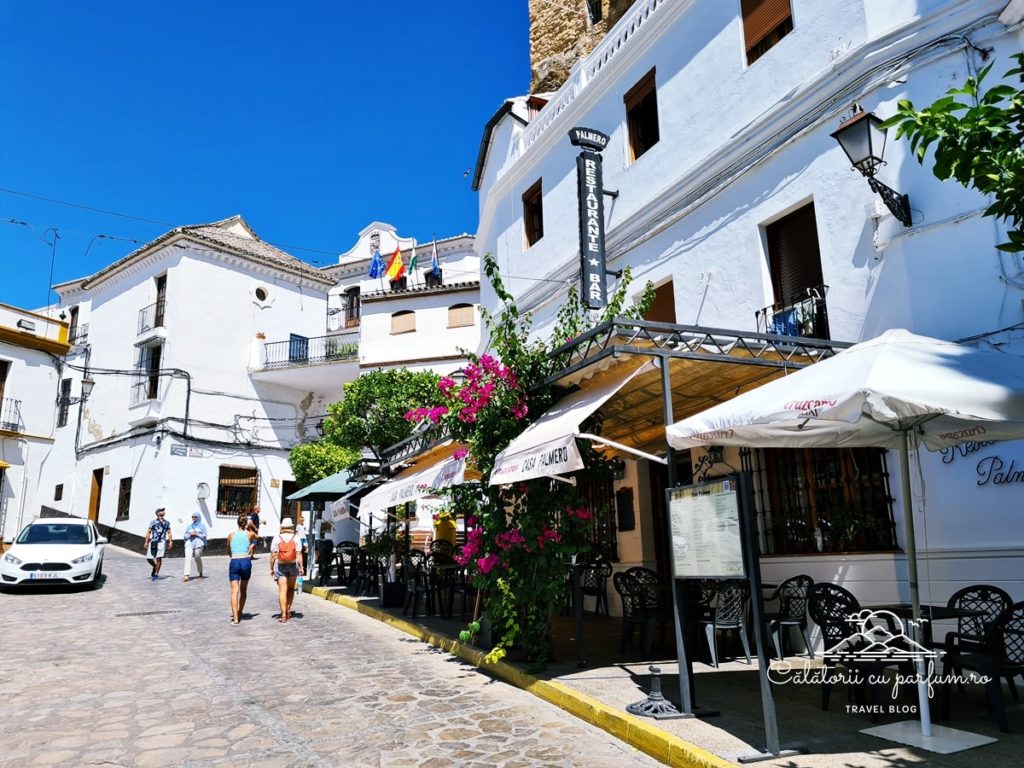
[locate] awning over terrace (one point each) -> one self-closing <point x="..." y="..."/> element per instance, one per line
<point x="326" y="489"/>
<point x="699" y="367"/>
<point x="416" y="482"/>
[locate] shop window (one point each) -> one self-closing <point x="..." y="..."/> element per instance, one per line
<point x="821" y="499"/>
<point x="460" y="315"/>
<point x="533" y="214"/>
<point x="124" y="498"/>
<point x="765" y="23"/>
<point x="642" y="116"/>
<point x="237" y="490"/>
<point x="663" y="308"/>
<point x="403" y="322"/>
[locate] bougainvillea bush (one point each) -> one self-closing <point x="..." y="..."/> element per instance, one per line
<point x="520" y="537"/>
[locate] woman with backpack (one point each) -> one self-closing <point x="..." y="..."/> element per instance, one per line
<point x="286" y="565"/>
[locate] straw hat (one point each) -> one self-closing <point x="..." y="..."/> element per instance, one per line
<point x="287" y="523"/>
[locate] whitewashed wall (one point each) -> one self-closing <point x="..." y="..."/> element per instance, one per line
<point x="740" y="146"/>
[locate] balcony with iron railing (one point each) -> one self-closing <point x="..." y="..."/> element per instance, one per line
<point x="152" y="316"/>
<point x="79" y="334"/>
<point x="804" y="315"/>
<point x="305" y="351"/>
<point x="10" y="415"/>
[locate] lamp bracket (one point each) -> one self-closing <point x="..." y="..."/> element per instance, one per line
<point x="898" y="205"/>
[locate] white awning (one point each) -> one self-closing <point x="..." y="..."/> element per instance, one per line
<point x="548" y="446"/>
<point x="415" y="483"/>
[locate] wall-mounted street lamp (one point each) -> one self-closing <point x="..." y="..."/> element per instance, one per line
<point x="320" y="428"/>
<point x="87" y="384"/>
<point x="202" y="491"/>
<point x="862" y="138"/>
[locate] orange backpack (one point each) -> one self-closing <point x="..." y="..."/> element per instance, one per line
<point x="286" y="551"/>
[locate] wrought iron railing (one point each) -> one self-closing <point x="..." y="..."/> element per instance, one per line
<point x="152" y="316"/>
<point x="10" y="415"/>
<point x="805" y="315"/>
<point x="303" y="351"/>
<point x="79" y="334"/>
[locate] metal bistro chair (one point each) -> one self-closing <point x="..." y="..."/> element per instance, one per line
<point x="417" y="585"/>
<point x="1001" y="657"/>
<point x="831" y="607"/>
<point x="346" y="556"/>
<point x="792" y="595"/>
<point x="594" y="583"/>
<point x="639" y="607"/>
<point x="971" y="631"/>
<point x="727" y="613"/>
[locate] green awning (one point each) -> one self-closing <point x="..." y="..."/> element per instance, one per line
<point x="328" y="489"/>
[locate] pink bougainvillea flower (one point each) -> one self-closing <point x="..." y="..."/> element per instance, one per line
<point x="460" y="453"/>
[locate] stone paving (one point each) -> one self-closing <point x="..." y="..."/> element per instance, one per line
<point x="138" y="673"/>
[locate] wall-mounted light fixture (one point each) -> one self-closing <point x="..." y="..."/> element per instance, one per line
<point x="202" y="491"/>
<point x="87" y="384"/>
<point x="862" y="138"/>
<point x="320" y="428"/>
<point x="619" y="470"/>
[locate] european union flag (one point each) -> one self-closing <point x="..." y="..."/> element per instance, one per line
<point x="376" y="265"/>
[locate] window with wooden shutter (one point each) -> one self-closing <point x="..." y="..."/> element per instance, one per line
<point x="124" y="498"/>
<point x="663" y="308"/>
<point x="403" y="322"/>
<point x="642" y="116"/>
<point x="460" y="315"/>
<point x="533" y="214"/>
<point x="765" y="22"/>
<point x="794" y="262"/>
<point x="64" y="403"/>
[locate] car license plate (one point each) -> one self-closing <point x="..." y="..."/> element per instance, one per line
<point x="44" y="575"/>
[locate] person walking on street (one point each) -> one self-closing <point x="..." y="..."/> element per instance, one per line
<point x="157" y="543"/>
<point x="240" y="566"/>
<point x="286" y="566"/>
<point x="300" y="531"/>
<point x="253" y="526"/>
<point x="195" y="543"/>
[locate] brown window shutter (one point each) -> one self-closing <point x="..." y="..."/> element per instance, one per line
<point x="403" y="322"/>
<point x="760" y="17"/>
<point x="460" y="315"/>
<point x="794" y="256"/>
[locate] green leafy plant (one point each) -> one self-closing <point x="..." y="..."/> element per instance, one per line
<point x="978" y="140"/>
<point x="520" y="537"/>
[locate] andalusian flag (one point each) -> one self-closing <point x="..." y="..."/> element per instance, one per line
<point x="396" y="268"/>
<point x="412" y="261"/>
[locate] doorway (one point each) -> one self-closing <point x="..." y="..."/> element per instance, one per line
<point x="94" y="494"/>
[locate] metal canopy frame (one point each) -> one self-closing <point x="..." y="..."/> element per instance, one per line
<point x="622" y="335"/>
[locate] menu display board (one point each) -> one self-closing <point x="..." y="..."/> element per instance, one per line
<point x="706" y="538"/>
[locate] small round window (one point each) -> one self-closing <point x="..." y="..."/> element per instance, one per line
<point x="261" y="294"/>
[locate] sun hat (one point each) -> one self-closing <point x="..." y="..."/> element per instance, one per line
<point x="287" y="523"/>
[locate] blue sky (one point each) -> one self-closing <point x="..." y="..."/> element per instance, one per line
<point x="310" y="119"/>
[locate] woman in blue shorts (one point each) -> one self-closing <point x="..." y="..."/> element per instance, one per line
<point x="240" y="567"/>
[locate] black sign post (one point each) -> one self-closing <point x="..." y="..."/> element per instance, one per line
<point x="591" y="215"/>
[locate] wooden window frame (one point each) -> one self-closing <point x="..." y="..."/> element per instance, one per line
<point x="533" y="213"/>
<point x="64" y="403"/>
<point x="642" y="127"/>
<point x="403" y="322"/>
<point x="353" y="307"/>
<point x="461" y="316"/>
<point x="765" y="23"/>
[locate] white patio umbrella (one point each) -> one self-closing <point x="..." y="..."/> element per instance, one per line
<point x="888" y="392"/>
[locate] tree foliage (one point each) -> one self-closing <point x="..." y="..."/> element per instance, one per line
<point x="978" y="140"/>
<point x="371" y="415"/>
<point x="314" y="461"/>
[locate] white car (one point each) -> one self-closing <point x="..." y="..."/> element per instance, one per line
<point x="54" y="550"/>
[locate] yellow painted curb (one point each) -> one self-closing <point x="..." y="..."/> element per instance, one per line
<point x="636" y="732"/>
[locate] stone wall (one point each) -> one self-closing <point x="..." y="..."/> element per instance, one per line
<point x="561" y="32"/>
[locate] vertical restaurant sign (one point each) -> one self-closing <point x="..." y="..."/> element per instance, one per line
<point x="591" y="198"/>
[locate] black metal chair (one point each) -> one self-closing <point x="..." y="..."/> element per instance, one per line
<point x="971" y="631"/>
<point x="442" y="547"/>
<point x="417" y="585"/>
<point x="461" y="584"/>
<point x="1002" y="656"/>
<point x="831" y="607"/>
<point x="345" y="556"/>
<point x="594" y="577"/>
<point x="639" y="607"/>
<point x="792" y="595"/>
<point x="728" y="610"/>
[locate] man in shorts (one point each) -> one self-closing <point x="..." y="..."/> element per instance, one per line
<point x="157" y="543"/>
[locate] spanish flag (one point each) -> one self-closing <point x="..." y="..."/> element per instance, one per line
<point x="396" y="268"/>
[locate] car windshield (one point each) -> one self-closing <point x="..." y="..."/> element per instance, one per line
<point x="55" y="533"/>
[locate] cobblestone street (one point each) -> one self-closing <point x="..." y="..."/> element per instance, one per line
<point x="148" y="674"/>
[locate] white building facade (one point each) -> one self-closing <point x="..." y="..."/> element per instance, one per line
<point x="735" y="201"/>
<point x="31" y="345"/>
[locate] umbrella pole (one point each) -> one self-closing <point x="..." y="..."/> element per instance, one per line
<point x="910" y="546"/>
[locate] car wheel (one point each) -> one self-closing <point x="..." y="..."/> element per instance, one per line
<point x="95" y="583"/>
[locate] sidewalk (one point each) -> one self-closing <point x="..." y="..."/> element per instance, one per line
<point x="600" y="692"/>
